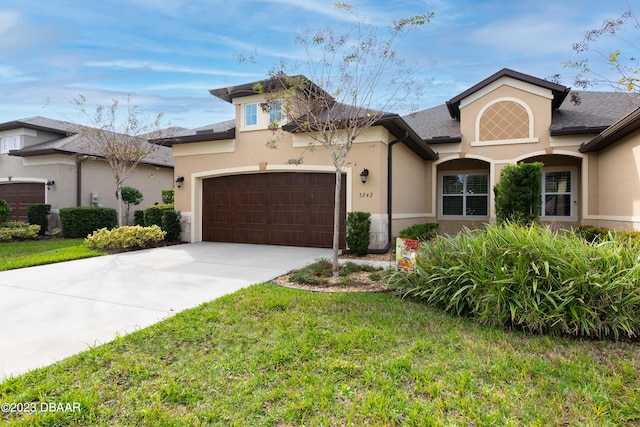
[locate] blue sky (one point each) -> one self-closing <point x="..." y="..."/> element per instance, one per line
<point x="167" y="54"/>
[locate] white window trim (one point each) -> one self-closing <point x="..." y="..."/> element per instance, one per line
<point x="281" y="111"/>
<point x="16" y="143"/>
<point x="529" y="140"/>
<point x="244" y="116"/>
<point x="441" y="196"/>
<point x="5" y="145"/>
<point x="573" y="203"/>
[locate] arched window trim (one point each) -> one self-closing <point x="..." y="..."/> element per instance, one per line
<point x="530" y="139"/>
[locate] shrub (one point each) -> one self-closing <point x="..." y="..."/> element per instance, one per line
<point x="153" y="214"/>
<point x="594" y="234"/>
<point x="171" y="224"/>
<point x="529" y="277"/>
<point x="519" y="193"/>
<point x="130" y="196"/>
<point x="82" y="221"/>
<point x="358" y="226"/>
<point x="420" y="231"/>
<point x="15" y="230"/>
<point x="167" y="197"/>
<point x="37" y="214"/>
<point x="130" y="236"/>
<point x="5" y="211"/>
<point x="138" y="217"/>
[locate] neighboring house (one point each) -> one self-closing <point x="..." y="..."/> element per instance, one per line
<point x="47" y="161"/>
<point x="437" y="165"/>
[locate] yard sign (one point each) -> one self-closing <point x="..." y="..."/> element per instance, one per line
<point x="406" y="254"/>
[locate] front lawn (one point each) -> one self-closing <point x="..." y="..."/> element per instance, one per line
<point x="37" y="252"/>
<point x="272" y="356"/>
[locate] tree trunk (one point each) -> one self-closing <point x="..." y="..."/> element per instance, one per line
<point x="336" y="222"/>
<point x="119" y="201"/>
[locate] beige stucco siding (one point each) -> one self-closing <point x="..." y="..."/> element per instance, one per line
<point x="619" y="184"/>
<point x="249" y="153"/>
<point x="411" y="189"/>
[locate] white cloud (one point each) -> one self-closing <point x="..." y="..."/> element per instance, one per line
<point x="9" y="20"/>
<point x="13" y="75"/>
<point x="158" y="67"/>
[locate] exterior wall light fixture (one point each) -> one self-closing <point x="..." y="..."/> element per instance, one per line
<point x="179" y="181"/>
<point x="363" y="175"/>
<point x="50" y="183"/>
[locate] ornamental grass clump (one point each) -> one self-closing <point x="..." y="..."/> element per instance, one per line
<point x="127" y="237"/>
<point x="531" y="278"/>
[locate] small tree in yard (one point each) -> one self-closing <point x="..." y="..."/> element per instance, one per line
<point x="519" y="192"/>
<point x="130" y="196"/>
<point x="352" y="80"/>
<point x="122" y="142"/>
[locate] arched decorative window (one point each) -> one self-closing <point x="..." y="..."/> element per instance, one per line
<point x="505" y="120"/>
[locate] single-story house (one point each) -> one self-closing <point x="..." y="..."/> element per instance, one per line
<point x="437" y="165"/>
<point x="47" y="161"/>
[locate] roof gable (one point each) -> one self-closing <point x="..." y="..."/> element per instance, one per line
<point x="559" y="92"/>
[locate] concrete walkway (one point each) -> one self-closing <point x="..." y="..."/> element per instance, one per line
<point x="50" y="312"/>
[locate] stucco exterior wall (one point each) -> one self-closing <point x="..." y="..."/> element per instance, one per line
<point x="473" y="154"/>
<point x="411" y="189"/>
<point x="96" y="176"/>
<point x="248" y="153"/>
<point x="618" y="172"/>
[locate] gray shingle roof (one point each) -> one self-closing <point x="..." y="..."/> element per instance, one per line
<point x="71" y="142"/>
<point x="595" y="112"/>
<point x="212" y="128"/>
<point x="434" y="123"/>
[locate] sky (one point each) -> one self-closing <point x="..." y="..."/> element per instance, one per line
<point x="167" y="54"/>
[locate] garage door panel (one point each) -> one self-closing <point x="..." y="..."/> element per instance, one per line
<point x="250" y="198"/>
<point x="250" y="235"/>
<point x="20" y="195"/>
<point x="288" y="237"/>
<point x="249" y="218"/>
<point x="288" y="197"/>
<point x="289" y="218"/>
<point x="271" y="208"/>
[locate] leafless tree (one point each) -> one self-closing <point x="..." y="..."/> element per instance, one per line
<point x="351" y="80"/>
<point x="121" y="139"/>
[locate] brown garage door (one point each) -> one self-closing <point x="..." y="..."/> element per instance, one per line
<point x="20" y="195"/>
<point x="287" y="208"/>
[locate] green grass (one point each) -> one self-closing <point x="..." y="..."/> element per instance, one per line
<point x="272" y="356"/>
<point x="37" y="252"/>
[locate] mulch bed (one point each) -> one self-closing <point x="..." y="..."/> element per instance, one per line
<point x="361" y="282"/>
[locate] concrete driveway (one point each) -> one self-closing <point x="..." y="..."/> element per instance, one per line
<point x="50" y="312"/>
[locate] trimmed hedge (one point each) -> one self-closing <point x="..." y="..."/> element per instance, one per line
<point x="358" y="230"/>
<point x="82" y="221"/>
<point x="168" y="197"/>
<point x="138" y="217"/>
<point x="15" y="230"/>
<point x="38" y="214"/>
<point x="126" y="237"/>
<point x="153" y="214"/>
<point x="420" y="231"/>
<point x="171" y="225"/>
